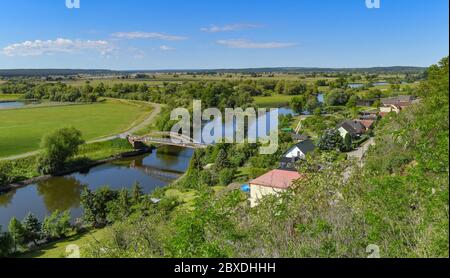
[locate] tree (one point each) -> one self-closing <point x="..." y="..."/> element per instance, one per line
<point x="58" y="148"/>
<point x="96" y="207"/>
<point x="298" y="103"/>
<point x="336" y="97"/>
<point x="347" y="143"/>
<point x="330" y="140"/>
<point x="137" y="191"/>
<point x="226" y="176"/>
<point x="312" y="103"/>
<point x="377" y="103"/>
<point x="57" y="225"/>
<point x="17" y="232"/>
<point x="6" y="244"/>
<point x="32" y="227"/>
<point x="221" y="160"/>
<point x="352" y="101"/>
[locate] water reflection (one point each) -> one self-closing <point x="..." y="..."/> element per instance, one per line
<point x="16" y="104"/>
<point x="61" y="193"/>
<point x="152" y="171"/>
<point x="5" y="199"/>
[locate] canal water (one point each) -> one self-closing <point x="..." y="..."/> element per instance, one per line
<point x="15" y="104"/>
<point x="154" y="170"/>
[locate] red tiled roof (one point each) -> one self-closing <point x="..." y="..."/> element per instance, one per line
<point x="367" y="123"/>
<point x="277" y="178"/>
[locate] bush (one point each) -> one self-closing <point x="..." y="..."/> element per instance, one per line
<point x="226" y="176"/>
<point x="5" y="171"/>
<point x="168" y="204"/>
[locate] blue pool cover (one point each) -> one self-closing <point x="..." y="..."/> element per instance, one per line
<point x="245" y="188"/>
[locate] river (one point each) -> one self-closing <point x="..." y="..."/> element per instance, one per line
<point x="158" y="169"/>
<point x="15" y="104"/>
<point x="154" y="170"/>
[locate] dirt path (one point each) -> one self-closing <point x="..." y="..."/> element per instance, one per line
<point x="147" y="121"/>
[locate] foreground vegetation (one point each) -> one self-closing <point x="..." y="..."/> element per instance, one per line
<point x="398" y="202"/>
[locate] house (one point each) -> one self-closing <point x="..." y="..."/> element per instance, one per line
<point x="400" y="101"/>
<point x="299" y="137"/>
<point x="369" y="115"/>
<point x="271" y="183"/>
<point x="295" y="153"/>
<point x="365" y="103"/>
<point x="354" y="128"/>
<point x="367" y="123"/>
<point x="389" y="109"/>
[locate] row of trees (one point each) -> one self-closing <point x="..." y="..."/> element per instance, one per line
<point x="30" y="232"/>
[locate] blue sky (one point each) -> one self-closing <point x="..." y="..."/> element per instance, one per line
<point x="189" y="34"/>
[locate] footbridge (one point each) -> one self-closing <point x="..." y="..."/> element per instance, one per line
<point x="169" y="139"/>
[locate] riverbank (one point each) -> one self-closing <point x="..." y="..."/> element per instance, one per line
<point x="78" y="168"/>
<point x="22" y="172"/>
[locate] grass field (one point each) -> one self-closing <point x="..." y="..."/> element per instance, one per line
<point x="8" y="97"/>
<point x="273" y="101"/>
<point x="58" y="250"/>
<point x="21" y="130"/>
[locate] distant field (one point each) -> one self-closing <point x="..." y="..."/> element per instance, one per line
<point x="111" y="82"/>
<point x="273" y="101"/>
<point x="4" y="97"/>
<point x="21" y="130"/>
<point x="161" y="78"/>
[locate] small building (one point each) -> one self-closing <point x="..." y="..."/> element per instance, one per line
<point x="365" y="102"/>
<point x="354" y="128"/>
<point x="385" y="110"/>
<point x="369" y="115"/>
<point x="400" y="101"/>
<point x="396" y="104"/>
<point x="367" y="123"/>
<point x="295" y="153"/>
<point x="299" y="137"/>
<point x="271" y="183"/>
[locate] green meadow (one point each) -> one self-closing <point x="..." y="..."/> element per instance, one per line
<point x="4" y="97"/>
<point x="21" y="130"/>
<point x="273" y="101"/>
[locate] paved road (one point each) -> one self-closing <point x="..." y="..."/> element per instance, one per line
<point x="362" y="150"/>
<point x="148" y="120"/>
<point x="359" y="156"/>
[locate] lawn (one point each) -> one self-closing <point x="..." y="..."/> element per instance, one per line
<point x="59" y="249"/>
<point x="273" y="101"/>
<point x="8" y="97"/>
<point x="21" y="130"/>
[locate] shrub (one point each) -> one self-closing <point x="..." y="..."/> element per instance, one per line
<point x="226" y="176"/>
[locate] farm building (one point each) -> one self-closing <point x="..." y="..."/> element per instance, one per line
<point x="271" y="183"/>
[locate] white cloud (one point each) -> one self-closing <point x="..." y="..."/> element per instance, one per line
<point x="144" y="35"/>
<point x="228" y="28"/>
<point x="166" y="48"/>
<point x="49" y="47"/>
<point x="242" y="43"/>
